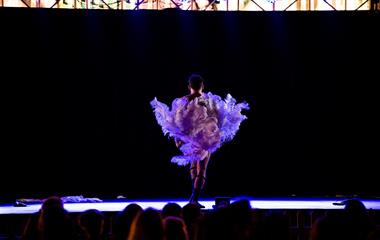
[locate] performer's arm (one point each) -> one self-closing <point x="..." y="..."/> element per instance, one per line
<point x="178" y="143"/>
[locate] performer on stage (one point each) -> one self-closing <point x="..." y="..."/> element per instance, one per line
<point x="199" y="123"/>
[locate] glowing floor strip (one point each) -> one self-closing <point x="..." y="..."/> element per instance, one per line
<point x="110" y="206"/>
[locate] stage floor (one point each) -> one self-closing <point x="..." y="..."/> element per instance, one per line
<point x="257" y="203"/>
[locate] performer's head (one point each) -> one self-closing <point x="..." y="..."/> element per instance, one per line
<point x="196" y="83"/>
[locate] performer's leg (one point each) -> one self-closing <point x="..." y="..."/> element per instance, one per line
<point x="193" y="172"/>
<point x="213" y="5"/>
<point x="196" y="4"/>
<point x="201" y="175"/>
<point x="193" y="175"/>
<point x="199" y="180"/>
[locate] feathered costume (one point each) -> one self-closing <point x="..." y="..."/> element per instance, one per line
<point x="202" y="124"/>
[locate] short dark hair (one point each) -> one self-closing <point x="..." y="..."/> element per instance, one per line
<point x="171" y="209"/>
<point x="195" y="82"/>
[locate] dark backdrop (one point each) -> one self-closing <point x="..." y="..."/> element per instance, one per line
<point x="77" y="87"/>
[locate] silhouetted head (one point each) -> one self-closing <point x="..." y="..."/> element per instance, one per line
<point x="147" y="225"/>
<point x="357" y="219"/>
<point x="53" y="220"/>
<point x="52" y="202"/>
<point x="175" y="229"/>
<point x="196" y="83"/>
<point x="191" y="212"/>
<point x="354" y="206"/>
<point x="124" y="220"/>
<point x="92" y="223"/>
<point x="172" y="209"/>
